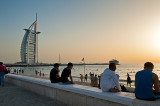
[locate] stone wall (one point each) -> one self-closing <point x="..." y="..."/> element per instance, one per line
<point x="76" y="95"/>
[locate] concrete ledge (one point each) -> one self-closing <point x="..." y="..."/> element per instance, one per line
<point x="77" y="95"/>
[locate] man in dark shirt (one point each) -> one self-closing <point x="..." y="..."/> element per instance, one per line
<point x="67" y="73"/>
<point x="54" y="74"/>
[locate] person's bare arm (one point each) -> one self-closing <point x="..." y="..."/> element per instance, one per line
<point x="156" y="83"/>
<point x="71" y="78"/>
<point x="58" y="76"/>
<point x="116" y="81"/>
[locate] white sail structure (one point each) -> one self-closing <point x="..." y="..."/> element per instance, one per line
<point x="29" y="46"/>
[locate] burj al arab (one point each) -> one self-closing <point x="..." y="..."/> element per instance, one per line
<point x="29" y="46"/>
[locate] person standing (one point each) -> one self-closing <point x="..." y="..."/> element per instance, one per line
<point x="67" y="73"/>
<point x="14" y="71"/>
<point x="17" y="71"/>
<point x="81" y="77"/>
<point x="109" y="80"/>
<point x="129" y="81"/>
<point x="40" y="74"/>
<point x="22" y="71"/>
<point x="86" y="76"/>
<point x="2" y="73"/>
<point x="92" y="79"/>
<point x="95" y="78"/>
<point x="145" y="80"/>
<point x="54" y="74"/>
<point x="36" y="72"/>
<point x="99" y="79"/>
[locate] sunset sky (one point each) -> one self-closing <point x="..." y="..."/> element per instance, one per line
<point x="98" y="30"/>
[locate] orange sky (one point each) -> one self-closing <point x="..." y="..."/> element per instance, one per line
<point x="96" y="30"/>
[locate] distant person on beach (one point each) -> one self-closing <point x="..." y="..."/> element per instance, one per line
<point x="81" y="77"/>
<point x="2" y="73"/>
<point x="67" y="73"/>
<point x="36" y="72"/>
<point x="17" y="71"/>
<point x="109" y="80"/>
<point x="14" y="71"/>
<point x="54" y="74"/>
<point x="22" y="71"/>
<point x="90" y="74"/>
<point x="40" y="74"/>
<point x="129" y="81"/>
<point x="86" y="76"/>
<point x="99" y="79"/>
<point x="9" y="70"/>
<point x="145" y="80"/>
<point x="94" y="80"/>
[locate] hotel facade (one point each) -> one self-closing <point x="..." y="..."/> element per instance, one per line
<point x="29" y="46"/>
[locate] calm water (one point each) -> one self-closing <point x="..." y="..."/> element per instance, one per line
<point x="122" y="70"/>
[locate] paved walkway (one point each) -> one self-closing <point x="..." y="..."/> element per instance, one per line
<point x="12" y="95"/>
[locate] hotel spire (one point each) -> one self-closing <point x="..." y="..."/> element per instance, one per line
<point x="36" y="16"/>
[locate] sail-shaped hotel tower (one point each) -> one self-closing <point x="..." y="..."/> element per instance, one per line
<point x="29" y="46"/>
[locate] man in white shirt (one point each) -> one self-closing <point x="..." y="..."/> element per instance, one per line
<point x="109" y="80"/>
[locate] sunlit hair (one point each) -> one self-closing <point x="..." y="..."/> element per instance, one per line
<point x="148" y="64"/>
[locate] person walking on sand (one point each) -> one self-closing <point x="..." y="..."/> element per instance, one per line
<point x="129" y="81"/>
<point x="2" y="73"/>
<point x="81" y="77"/>
<point x="54" y="74"/>
<point x="109" y="80"/>
<point x="86" y="76"/>
<point x="145" y="80"/>
<point x="67" y="73"/>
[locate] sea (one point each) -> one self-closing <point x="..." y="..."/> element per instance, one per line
<point x="121" y="70"/>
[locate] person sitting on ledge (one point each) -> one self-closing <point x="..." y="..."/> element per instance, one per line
<point x="67" y="73"/>
<point x="54" y="74"/>
<point x="144" y="82"/>
<point x="109" y="80"/>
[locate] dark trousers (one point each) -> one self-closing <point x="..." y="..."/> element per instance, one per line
<point x="56" y="80"/>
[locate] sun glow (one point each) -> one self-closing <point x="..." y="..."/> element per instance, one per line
<point x="156" y="40"/>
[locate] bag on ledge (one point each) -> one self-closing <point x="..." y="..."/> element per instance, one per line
<point x="123" y="88"/>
